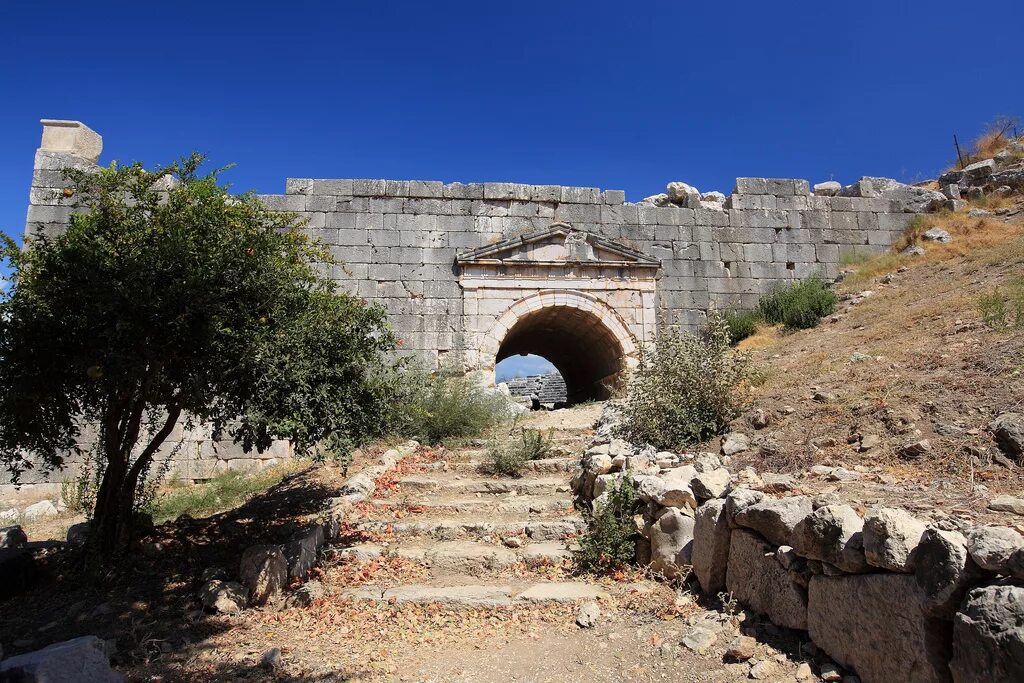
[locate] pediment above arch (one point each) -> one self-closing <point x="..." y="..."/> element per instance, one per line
<point x="559" y="244"/>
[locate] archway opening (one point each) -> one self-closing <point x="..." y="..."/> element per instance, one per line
<point x="585" y="352"/>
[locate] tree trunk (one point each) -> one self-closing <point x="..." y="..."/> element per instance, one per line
<point x="114" y="518"/>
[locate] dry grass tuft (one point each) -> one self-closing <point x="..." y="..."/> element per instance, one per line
<point x="997" y="135"/>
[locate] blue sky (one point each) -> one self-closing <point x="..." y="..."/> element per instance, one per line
<point x="595" y="93"/>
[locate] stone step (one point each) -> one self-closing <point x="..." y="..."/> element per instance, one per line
<point x="476" y="595"/>
<point x="474" y="527"/>
<point x="451" y="556"/>
<point x="530" y="504"/>
<point x="446" y="483"/>
<point x="479" y="465"/>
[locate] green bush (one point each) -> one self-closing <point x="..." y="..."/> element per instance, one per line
<point x="742" y="324"/>
<point x="435" y="406"/>
<point x="610" y="539"/>
<point x="798" y="305"/>
<point x="685" y="389"/>
<point x="1003" y="309"/>
<point x="510" y="458"/>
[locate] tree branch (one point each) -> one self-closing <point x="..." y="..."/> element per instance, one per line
<point x="173" y="413"/>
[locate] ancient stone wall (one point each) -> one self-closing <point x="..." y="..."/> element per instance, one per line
<point x="548" y="388"/>
<point x="608" y="271"/>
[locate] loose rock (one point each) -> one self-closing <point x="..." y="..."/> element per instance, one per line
<point x="264" y="571"/>
<point x="1008" y="430"/>
<point x="992" y="547"/>
<point x="587" y="615"/>
<point x="891" y="536"/>
<point x="833" y="534"/>
<point x="775" y="518"/>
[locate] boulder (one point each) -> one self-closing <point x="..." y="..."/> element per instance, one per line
<point x="1007" y="504"/>
<point x="671" y="542"/>
<point x="714" y="196"/>
<point x="671" y="489"/>
<point x="80" y="660"/>
<point x="829" y="188"/>
<point x="683" y="194"/>
<point x="738" y="500"/>
<point x="758" y="581"/>
<point x="710" y="484"/>
<point x="13" y="537"/>
<point x="775" y="518"/>
<point x="40" y="510"/>
<point x="226" y="597"/>
<point x="992" y="547"/>
<point x="588" y="614"/>
<point x="875" y="625"/>
<point x="598" y="463"/>
<point x="943" y="570"/>
<point x="710" y="556"/>
<point x="833" y="534"/>
<point x="735" y="442"/>
<point x="891" y="536"/>
<point x="937" y="235"/>
<point x="303" y="550"/>
<point x="1008" y="430"/>
<point x="78" y="534"/>
<point x="988" y="636"/>
<point x="914" y="449"/>
<point x="264" y="571"/>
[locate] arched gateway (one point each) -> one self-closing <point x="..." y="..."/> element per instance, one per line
<point x="582" y="302"/>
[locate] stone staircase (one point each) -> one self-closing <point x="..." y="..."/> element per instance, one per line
<point x="477" y="539"/>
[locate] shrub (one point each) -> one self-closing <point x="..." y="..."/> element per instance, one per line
<point x="685" y="389"/>
<point x="742" y="324"/>
<point x="610" y="539"/>
<point x="1003" y="309"/>
<point x="434" y="406"/>
<point x="510" y="458"/>
<point x="798" y="305"/>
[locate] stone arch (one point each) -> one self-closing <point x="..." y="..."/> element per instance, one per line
<point x="578" y="333"/>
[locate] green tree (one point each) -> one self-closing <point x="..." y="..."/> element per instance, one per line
<point x="168" y="299"/>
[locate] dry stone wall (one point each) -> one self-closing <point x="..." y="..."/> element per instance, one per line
<point x="884" y="595"/>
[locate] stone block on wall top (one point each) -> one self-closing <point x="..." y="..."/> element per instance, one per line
<point x="71" y="137"/>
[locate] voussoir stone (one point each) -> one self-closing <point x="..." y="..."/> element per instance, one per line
<point x="875" y="625"/>
<point x="992" y="547"/>
<point x="988" y="636"/>
<point x="264" y="571"/>
<point x="671" y="542"/>
<point x="775" y="518"/>
<point x="890" y="537"/>
<point x="758" y="581"/>
<point x="710" y="556"/>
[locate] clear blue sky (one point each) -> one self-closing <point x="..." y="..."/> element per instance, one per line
<point x="597" y="93"/>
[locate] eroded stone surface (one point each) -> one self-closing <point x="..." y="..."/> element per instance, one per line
<point x="758" y="581"/>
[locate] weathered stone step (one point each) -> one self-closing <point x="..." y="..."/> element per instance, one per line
<point x="463" y="555"/>
<point x="549" y="465"/>
<point x="443" y="484"/>
<point x="532" y="504"/>
<point x="474" y="595"/>
<point x="476" y="528"/>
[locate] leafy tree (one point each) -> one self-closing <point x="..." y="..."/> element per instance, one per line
<point x="169" y="299"/>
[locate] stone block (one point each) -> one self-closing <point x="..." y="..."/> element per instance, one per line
<point x="396" y="188"/>
<point x="874" y="624"/>
<point x="757" y="252"/>
<point x="48" y="214"/>
<point x="426" y="188"/>
<point x="988" y="636"/>
<point x="580" y="195"/>
<point x="613" y="197"/>
<point x="710" y="555"/>
<point x="775" y="518"/>
<point x="781" y="187"/>
<point x="283" y="202"/>
<point x="671" y="542"/>
<point x="331" y="187"/>
<point x="298" y="185"/>
<point x="463" y="191"/>
<point x="71" y="137"/>
<point x="751" y="186"/>
<point x="751" y="201"/>
<point x="81" y="659"/>
<point x="757" y="580"/>
<point x="550" y="194"/>
<point x="369" y="188"/>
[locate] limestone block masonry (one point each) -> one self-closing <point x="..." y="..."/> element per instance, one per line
<point x="472" y="273"/>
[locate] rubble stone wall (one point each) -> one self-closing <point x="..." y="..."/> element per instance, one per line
<point x="883" y="594"/>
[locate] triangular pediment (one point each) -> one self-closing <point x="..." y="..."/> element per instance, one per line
<point x="557" y="244"/>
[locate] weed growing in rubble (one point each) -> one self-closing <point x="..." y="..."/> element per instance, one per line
<point x="610" y="539"/>
<point x="685" y="389"/>
<point x="798" y="305"/>
<point x="510" y="458"/>
<point x="1003" y="309"/>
